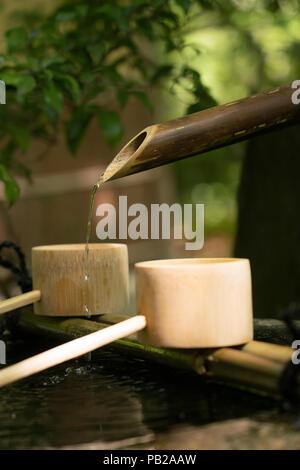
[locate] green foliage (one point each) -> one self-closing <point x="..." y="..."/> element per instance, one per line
<point x="88" y="58"/>
<point x="11" y="187"/>
<point x="85" y="61"/>
<point x="17" y="39"/>
<point x="110" y="124"/>
<point x="76" y="127"/>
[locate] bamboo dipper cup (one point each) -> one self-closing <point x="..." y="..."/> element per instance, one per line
<point x="187" y="303"/>
<point x="195" y="303"/>
<point x="60" y="288"/>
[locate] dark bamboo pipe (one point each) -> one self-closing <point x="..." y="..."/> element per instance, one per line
<point x="207" y="130"/>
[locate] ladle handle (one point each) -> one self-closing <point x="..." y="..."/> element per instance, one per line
<point x="19" y="301"/>
<point x="70" y="350"/>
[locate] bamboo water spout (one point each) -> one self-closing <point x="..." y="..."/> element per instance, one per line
<point x="207" y="130"/>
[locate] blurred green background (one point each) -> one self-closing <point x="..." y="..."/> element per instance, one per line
<point x="244" y="47"/>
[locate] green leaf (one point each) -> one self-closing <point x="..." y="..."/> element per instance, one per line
<point x="11" y="78"/>
<point x="26" y="85"/>
<point x="96" y="50"/>
<point x="158" y="3"/>
<point x="88" y="77"/>
<point x="144" y="99"/>
<point x="20" y="136"/>
<point x="48" y="61"/>
<point x="200" y="91"/>
<point x="112" y="74"/>
<point x="110" y="125"/>
<point x="65" y="16"/>
<point x="145" y="27"/>
<point x="138" y="3"/>
<point x="122" y="97"/>
<point x="7" y="152"/>
<point x="12" y="190"/>
<point x="81" y="10"/>
<point x="53" y="98"/>
<point x="161" y="72"/>
<point x="76" y="127"/>
<point x="111" y="10"/>
<point x="184" y="4"/>
<point x="170" y="44"/>
<point x="70" y="84"/>
<point x="16" y="39"/>
<point x="94" y="91"/>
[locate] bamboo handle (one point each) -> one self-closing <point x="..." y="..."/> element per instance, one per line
<point x="70" y="350"/>
<point x="19" y="301"/>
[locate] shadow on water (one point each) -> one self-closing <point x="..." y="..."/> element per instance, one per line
<point x="113" y="399"/>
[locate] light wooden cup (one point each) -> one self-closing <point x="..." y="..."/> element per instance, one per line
<point x="195" y="303"/>
<point x="58" y="273"/>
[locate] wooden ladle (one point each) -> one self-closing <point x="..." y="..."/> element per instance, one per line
<point x="188" y="303"/>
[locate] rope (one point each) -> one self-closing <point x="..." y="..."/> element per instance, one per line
<point x="23" y="278"/>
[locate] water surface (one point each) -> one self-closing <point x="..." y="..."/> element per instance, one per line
<point x="116" y="402"/>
